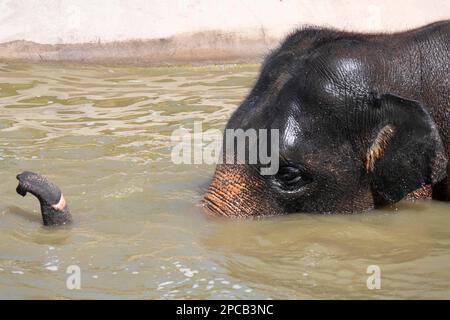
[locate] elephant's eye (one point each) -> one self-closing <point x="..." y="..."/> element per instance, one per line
<point x="291" y="178"/>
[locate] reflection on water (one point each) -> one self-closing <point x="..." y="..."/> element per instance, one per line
<point x="103" y="134"/>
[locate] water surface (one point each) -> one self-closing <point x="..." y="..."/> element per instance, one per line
<point x="103" y="134"/>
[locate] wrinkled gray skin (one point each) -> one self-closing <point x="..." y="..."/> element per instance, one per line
<point x="49" y="196"/>
<point x="364" y="120"/>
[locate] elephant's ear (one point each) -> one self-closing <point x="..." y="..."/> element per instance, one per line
<point x="406" y="151"/>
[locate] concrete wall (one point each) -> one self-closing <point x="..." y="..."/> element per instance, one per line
<point x="152" y="31"/>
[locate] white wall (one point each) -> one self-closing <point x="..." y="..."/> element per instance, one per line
<point x="75" y="21"/>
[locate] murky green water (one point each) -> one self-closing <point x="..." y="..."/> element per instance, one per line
<point x="103" y="134"/>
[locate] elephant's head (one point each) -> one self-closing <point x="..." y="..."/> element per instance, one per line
<point x="344" y="156"/>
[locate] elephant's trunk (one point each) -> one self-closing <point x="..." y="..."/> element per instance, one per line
<point x="238" y="191"/>
<point x="54" y="208"/>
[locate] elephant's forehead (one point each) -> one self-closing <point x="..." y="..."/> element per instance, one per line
<point x="301" y="133"/>
<point x="291" y="132"/>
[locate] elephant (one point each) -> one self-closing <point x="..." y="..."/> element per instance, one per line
<point x="363" y="122"/>
<point x="54" y="209"/>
